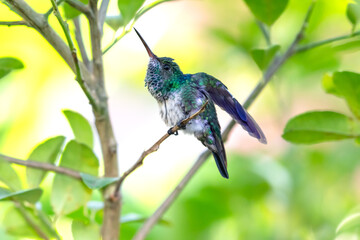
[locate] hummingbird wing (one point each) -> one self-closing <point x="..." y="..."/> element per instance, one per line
<point x="219" y="93"/>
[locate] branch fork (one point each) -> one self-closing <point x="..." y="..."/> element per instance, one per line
<point x="154" y="148"/>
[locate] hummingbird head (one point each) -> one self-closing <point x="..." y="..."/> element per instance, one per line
<point x="162" y="75"/>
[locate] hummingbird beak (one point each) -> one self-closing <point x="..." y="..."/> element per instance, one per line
<point x="151" y="54"/>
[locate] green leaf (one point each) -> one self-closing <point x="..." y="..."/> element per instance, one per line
<point x="7" y="64"/>
<point x="349" y="223"/>
<point x="28" y="195"/>
<point x="128" y="9"/>
<point x="115" y="22"/>
<point x="263" y="57"/>
<point x="71" y="12"/>
<point x="353" y="13"/>
<point x="347" y="84"/>
<point x="316" y="127"/>
<point x="10" y="63"/>
<point x="329" y="86"/>
<point x="93" y="182"/>
<point x="4" y="72"/>
<point x="267" y="11"/>
<point x="82" y="231"/>
<point x="46" y="152"/>
<point x="80" y="127"/>
<point x="69" y="194"/>
<point x="9" y="176"/>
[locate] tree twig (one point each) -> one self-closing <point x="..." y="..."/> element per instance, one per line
<point x="97" y="62"/>
<point x="42" y="166"/>
<point x="30" y="221"/>
<point x="116" y="39"/>
<point x="274" y="66"/>
<point x="48" y="12"/>
<point x="80" y="42"/>
<point x="14" y="23"/>
<point x="125" y="30"/>
<point x="79" y="77"/>
<point x="154" y="148"/>
<point x="326" y="41"/>
<point x="102" y="14"/>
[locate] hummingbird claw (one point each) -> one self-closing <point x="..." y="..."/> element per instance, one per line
<point x="170" y="132"/>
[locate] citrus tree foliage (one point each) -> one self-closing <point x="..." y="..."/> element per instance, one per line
<point x="323" y="126"/>
<point x="35" y="207"/>
<point x="33" y="215"/>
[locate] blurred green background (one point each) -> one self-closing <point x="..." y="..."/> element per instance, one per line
<point x="275" y="191"/>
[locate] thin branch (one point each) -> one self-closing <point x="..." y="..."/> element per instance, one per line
<point x="125" y="31"/>
<point x="326" y="41"/>
<point x="48" y="12"/>
<point x="146" y="8"/>
<point x="154" y="148"/>
<point x="80" y="42"/>
<point x="14" y="23"/>
<point x="79" y="77"/>
<point x="30" y="221"/>
<point x="116" y="39"/>
<point x="274" y="66"/>
<point x="42" y="166"/>
<point x="97" y="62"/>
<point x="102" y="14"/>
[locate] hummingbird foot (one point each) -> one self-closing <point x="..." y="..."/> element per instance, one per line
<point x="170" y="132"/>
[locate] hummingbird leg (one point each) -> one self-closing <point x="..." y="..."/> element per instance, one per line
<point x="181" y="125"/>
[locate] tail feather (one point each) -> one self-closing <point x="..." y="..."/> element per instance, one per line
<point x="220" y="154"/>
<point x="221" y="164"/>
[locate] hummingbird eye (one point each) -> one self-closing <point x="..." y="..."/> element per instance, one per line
<point x="166" y="67"/>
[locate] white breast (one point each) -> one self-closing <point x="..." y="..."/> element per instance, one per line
<point x="171" y="111"/>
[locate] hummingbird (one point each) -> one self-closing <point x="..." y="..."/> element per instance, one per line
<point x="180" y="95"/>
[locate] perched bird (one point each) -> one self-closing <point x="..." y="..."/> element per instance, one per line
<point x="181" y="95"/>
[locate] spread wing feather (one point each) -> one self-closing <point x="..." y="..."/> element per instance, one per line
<point x="220" y="95"/>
